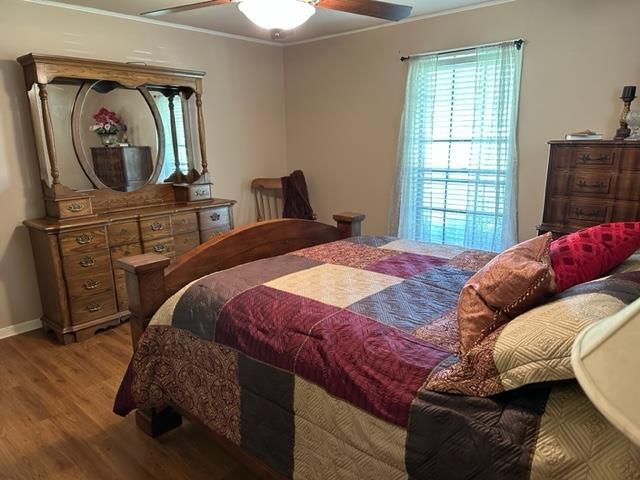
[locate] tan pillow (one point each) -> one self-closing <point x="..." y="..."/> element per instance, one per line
<point x="513" y="282"/>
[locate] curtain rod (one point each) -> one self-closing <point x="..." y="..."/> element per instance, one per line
<point x="518" y="42"/>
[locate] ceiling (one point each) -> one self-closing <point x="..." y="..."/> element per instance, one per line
<point x="228" y="19"/>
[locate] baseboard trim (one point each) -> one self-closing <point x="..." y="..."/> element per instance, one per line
<point x="23" y="327"/>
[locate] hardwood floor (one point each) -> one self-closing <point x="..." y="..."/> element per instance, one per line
<point x="56" y="420"/>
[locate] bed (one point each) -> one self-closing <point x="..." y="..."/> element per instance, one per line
<point x="312" y="352"/>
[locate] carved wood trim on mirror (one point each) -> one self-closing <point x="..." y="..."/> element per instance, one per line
<point x="143" y="186"/>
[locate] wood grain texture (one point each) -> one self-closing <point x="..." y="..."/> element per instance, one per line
<point x="81" y="241"/>
<point x="242" y="245"/>
<point x="590" y="183"/>
<point x="45" y="68"/>
<point x="184" y="223"/>
<point x="123" y="233"/>
<point x="72" y="255"/>
<point x="370" y="8"/>
<point x="269" y="198"/>
<point x="56" y="420"/>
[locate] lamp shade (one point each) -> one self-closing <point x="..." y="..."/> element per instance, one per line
<point x="606" y="362"/>
<point x="277" y="14"/>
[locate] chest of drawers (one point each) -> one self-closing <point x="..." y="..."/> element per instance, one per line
<point x="122" y="168"/>
<point x="590" y="183"/>
<point x="80" y="290"/>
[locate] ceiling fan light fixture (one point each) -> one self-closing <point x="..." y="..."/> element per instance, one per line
<point x="277" y="14"/>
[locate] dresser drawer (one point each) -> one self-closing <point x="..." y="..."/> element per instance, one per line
<point x="125" y="251"/>
<point x="625" y="211"/>
<point x="591" y="184"/>
<point x="162" y="246"/>
<point x="185" y="242"/>
<point x="628" y="186"/>
<point x="585" y="211"/>
<point x="123" y="233"/>
<point x="214" y="218"/>
<point x="80" y="241"/>
<point x="630" y="159"/>
<point x="603" y="158"/>
<point x="211" y="233"/>
<point x="88" y="285"/>
<point x="184" y="223"/>
<point x="154" y="228"/>
<point x="94" y="307"/>
<point x="77" y="207"/>
<point x="86" y="264"/>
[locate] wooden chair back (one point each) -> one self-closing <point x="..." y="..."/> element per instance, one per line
<point x="269" y="201"/>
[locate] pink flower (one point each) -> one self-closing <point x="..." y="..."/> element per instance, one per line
<point x="104" y="116"/>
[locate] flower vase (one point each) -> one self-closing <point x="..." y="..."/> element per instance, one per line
<point x="109" y="139"/>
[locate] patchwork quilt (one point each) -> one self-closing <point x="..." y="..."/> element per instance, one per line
<point x="340" y="362"/>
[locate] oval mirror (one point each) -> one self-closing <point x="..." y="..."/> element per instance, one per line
<point x="117" y="135"/>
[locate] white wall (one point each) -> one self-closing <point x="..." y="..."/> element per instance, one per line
<point x="243" y="107"/>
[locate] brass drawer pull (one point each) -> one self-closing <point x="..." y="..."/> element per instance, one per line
<point x="84" y="238"/>
<point x="592" y="214"/>
<point x="156" y="226"/>
<point x="201" y="192"/>
<point x="586" y="158"/>
<point x="94" y="307"/>
<point x="75" y="207"/>
<point x="87" y="262"/>
<point x="215" y="216"/>
<point x="160" y="248"/>
<point x="91" y="284"/>
<point x="584" y="184"/>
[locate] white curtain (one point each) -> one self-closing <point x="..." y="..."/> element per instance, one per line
<point x="457" y="168"/>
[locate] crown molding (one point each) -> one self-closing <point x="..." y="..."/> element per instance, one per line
<point x="490" y="3"/>
<point x="134" y="18"/>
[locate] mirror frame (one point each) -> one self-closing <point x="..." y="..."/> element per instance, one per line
<point x="61" y="201"/>
<point x="76" y="117"/>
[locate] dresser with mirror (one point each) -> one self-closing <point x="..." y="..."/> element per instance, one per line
<point x="124" y="171"/>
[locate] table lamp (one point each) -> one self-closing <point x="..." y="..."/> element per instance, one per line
<point x="606" y="362"/>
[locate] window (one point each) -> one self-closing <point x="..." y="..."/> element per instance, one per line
<point x="457" y="170"/>
<point x="169" y="165"/>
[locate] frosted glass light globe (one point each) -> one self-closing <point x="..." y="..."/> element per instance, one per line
<point x="277" y="14"/>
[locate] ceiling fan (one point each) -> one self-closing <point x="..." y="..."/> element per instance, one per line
<point x="280" y="15"/>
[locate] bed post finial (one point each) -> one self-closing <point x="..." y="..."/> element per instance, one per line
<point x="144" y="275"/>
<point x="349" y="223"/>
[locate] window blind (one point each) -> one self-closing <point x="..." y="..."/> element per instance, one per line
<point x="456" y="183"/>
<point x="168" y="167"/>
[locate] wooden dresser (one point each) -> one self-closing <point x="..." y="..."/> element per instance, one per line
<point x="129" y="209"/>
<point x="81" y="292"/>
<point x="590" y="183"/>
<point x="122" y="168"/>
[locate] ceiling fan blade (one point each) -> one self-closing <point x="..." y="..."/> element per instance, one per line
<point x="184" y="8"/>
<point x="370" y="8"/>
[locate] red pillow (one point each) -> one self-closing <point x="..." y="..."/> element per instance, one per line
<point x="590" y="253"/>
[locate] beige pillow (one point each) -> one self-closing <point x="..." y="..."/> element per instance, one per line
<point x="513" y="282"/>
<point x="536" y="346"/>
